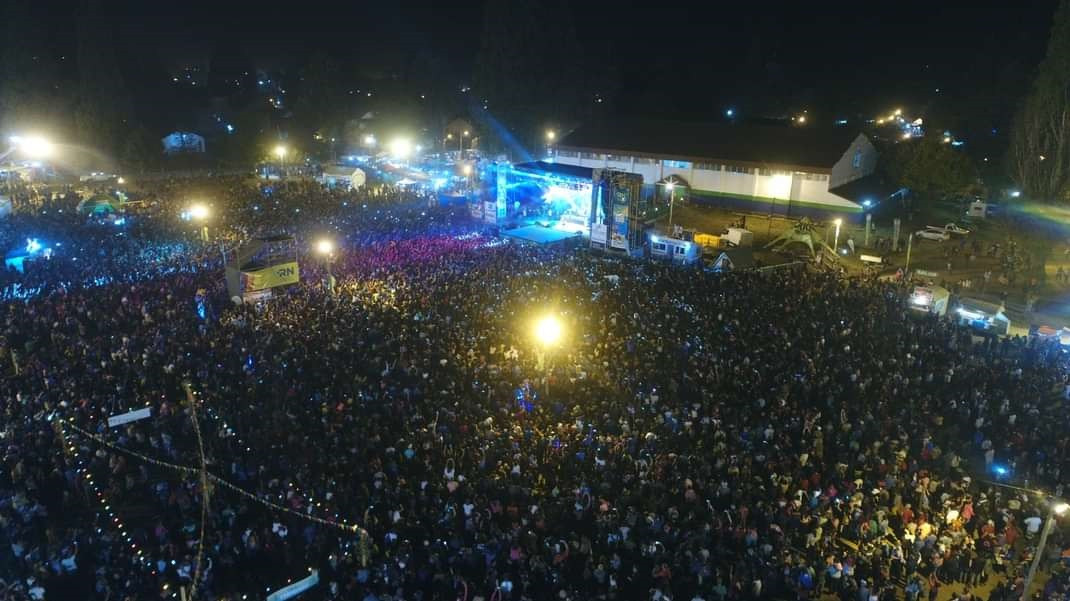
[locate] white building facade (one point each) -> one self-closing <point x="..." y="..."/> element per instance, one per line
<point x="798" y="187"/>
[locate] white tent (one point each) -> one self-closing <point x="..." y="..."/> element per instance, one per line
<point x="342" y="175"/>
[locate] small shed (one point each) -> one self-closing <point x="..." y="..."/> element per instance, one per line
<point x="343" y="176"/>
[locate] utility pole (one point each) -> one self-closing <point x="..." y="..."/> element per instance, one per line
<point x="1053" y="508"/>
<point x="910" y="243"/>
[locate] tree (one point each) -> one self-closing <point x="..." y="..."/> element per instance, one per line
<point x="1040" y="153"/>
<point x="930" y="168"/>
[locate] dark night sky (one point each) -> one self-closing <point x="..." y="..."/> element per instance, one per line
<point x="857" y="56"/>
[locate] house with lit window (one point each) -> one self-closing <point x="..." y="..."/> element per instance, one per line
<point x="794" y="171"/>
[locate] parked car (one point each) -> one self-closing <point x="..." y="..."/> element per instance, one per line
<point x="937" y="235"/>
<point x="950" y="228"/>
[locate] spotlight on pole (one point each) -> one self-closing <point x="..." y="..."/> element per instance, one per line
<point x="324" y="247"/>
<point x="198" y="212"/>
<point x="548" y="330"/>
<point x="400" y="148"/>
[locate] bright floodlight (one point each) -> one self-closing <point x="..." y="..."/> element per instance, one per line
<point x="466" y="132"/>
<point x="1060" y="508"/>
<point x="838" y="222"/>
<point x="548" y="330"/>
<point x="198" y="211"/>
<point x="35" y="146"/>
<point x="280" y="151"/>
<point x="467" y="170"/>
<point x="369" y="140"/>
<point x="670" y="186"/>
<point x="400" y="148"/>
<point x="325" y="247"/>
<point x="550" y="135"/>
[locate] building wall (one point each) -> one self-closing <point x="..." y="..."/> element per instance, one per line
<point x="858" y="161"/>
<point x="763" y="186"/>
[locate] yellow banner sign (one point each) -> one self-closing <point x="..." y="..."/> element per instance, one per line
<point x="282" y="274"/>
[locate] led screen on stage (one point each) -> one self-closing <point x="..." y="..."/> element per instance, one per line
<point x="565" y="202"/>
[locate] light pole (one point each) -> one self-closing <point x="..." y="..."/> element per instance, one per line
<point x="467" y="171"/>
<point x="325" y="248"/>
<point x="280" y="151"/>
<point x="910" y="243"/>
<point x="671" y="188"/>
<point x="1053" y="510"/>
<point x="460" y="143"/>
<point x="547" y="335"/>
<point x="34" y="147"/>
<point x="551" y="135"/>
<point x="836" y="244"/>
<point x="199" y="213"/>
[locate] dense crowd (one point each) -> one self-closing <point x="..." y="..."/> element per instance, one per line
<point x="784" y="434"/>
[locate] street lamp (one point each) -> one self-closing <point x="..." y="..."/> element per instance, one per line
<point x="369" y="140"/>
<point x="200" y="213"/>
<point x="547" y="334"/>
<point x="548" y="331"/>
<point x="671" y="187"/>
<point x="460" y="142"/>
<point x="325" y="248"/>
<point x="400" y="148"/>
<point x="550" y="136"/>
<point x="280" y="151"/>
<point x="836" y="243"/>
<point x="34" y="147"/>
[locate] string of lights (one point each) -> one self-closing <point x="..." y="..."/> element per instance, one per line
<point x="364" y="537"/>
<point x="205" y="490"/>
<point x="230" y="432"/>
<point x="72" y="452"/>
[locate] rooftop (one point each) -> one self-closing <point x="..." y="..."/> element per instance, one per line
<point x="556" y="169"/>
<point x="764" y="145"/>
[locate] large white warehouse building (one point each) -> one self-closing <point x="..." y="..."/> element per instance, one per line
<point x="788" y="170"/>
